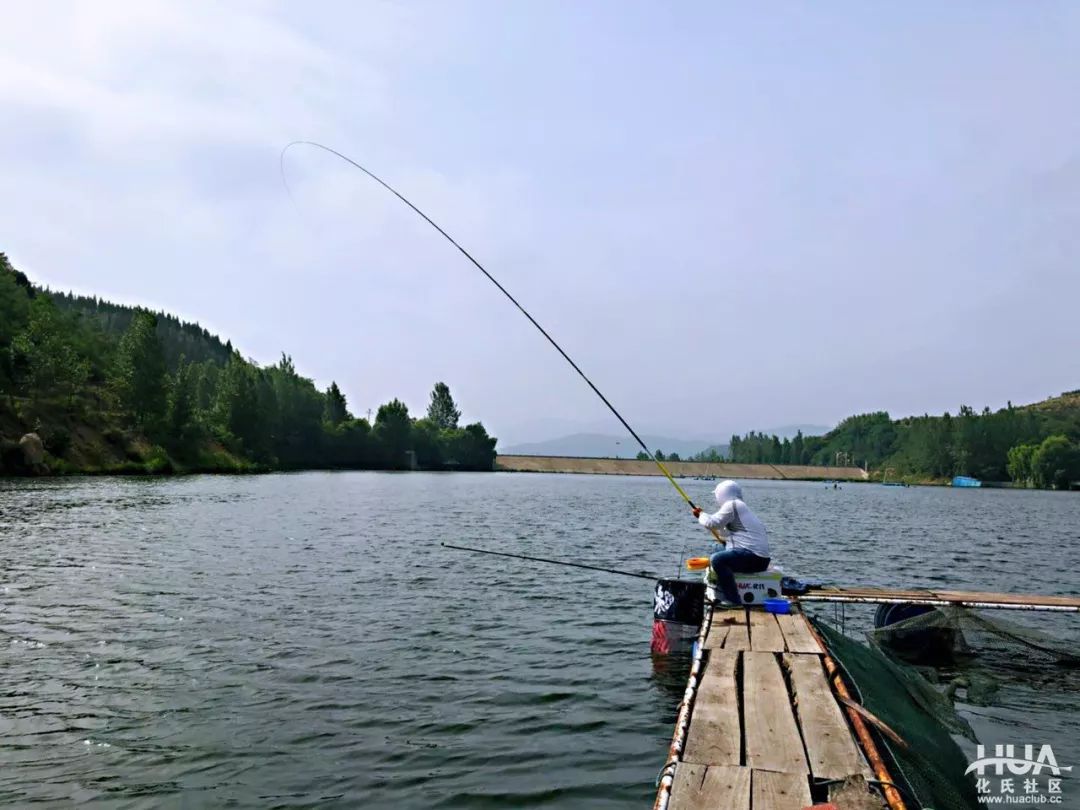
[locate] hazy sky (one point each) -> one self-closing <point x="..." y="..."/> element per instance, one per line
<point x="732" y="216"/>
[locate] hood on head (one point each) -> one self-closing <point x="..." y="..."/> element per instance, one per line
<point x="727" y="491"/>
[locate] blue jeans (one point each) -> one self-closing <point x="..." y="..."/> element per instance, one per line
<point x="738" y="560"/>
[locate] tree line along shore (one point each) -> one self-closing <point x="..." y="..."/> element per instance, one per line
<point x="88" y="386"/>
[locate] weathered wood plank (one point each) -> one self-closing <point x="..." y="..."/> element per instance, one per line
<point x="797" y="633"/>
<point x="716" y="637"/>
<point x="765" y="635"/>
<point x="833" y="753"/>
<point x="779" y="791"/>
<point x="735" y="624"/>
<point x="738" y="638"/>
<point x="773" y="742"/>
<point x="715" y="735"/>
<point x="710" y="787"/>
<point x="915" y="594"/>
<point x="869" y="591"/>
<point x="1010" y="598"/>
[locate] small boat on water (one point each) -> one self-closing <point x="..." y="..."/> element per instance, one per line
<point x="965" y="481"/>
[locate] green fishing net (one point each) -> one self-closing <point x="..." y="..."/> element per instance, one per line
<point x="929" y="767"/>
<point x="973" y="653"/>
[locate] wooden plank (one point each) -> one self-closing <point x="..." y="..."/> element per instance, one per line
<point x="710" y="787"/>
<point x="773" y="742"/>
<point x="797" y="634"/>
<point x="738" y="638"/>
<point x="1011" y="598"/>
<point x="918" y="594"/>
<point x="737" y="624"/>
<point x="715" y="735"/>
<point x="780" y="791"/>
<point x="831" y="749"/>
<point x="717" y="634"/>
<point x="765" y="635"/>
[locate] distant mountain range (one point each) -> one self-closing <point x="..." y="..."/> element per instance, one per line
<point x="602" y="445"/>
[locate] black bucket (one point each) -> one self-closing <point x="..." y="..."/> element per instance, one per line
<point x="679" y="600"/>
<point x="678" y="608"/>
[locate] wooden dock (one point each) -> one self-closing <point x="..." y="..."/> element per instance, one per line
<point x="760" y="727"/>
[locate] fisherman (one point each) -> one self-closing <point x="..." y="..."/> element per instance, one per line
<point x="747" y="550"/>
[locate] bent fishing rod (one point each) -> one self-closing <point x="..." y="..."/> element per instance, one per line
<point x="504" y="291"/>
<point x="638" y="574"/>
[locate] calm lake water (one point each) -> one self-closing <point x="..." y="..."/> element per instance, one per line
<point x="303" y="640"/>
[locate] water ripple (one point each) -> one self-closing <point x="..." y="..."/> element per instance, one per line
<point x="303" y="641"/>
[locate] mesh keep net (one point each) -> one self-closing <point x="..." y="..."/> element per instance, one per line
<point x="972" y="652"/>
<point x="929" y="767"/>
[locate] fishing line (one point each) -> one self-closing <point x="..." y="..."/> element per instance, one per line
<point x="638" y="574"/>
<point x="503" y="290"/>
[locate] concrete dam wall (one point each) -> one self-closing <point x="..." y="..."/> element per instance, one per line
<point x="689" y="469"/>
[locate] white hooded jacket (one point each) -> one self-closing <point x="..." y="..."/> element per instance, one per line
<point x="735" y="522"/>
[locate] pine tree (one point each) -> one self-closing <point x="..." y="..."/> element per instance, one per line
<point x="442" y="411"/>
<point x="392" y="433"/>
<point x="139" y="372"/>
<point x="180" y="417"/>
<point x="43" y="354"/>
<point x="236" y="407"/>
<point x="337" y="410"/>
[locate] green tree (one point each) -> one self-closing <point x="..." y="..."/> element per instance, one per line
<point x="1019" y="463"/>
<point x="42" y="354"/>
<point x="139" y="372"/>
<point x="236" y="409"/>
<point x="660" y="455"/>
<point x="300" y="406"/>
<point x="180" y="423"/>
<point x="674" y="457"/>
<point x="1056" y="463"/>
<point x="348" y="445"/>
<point x="428" y="444"/>
<point x="205" y="376"/>
<point x="337" y="410"/>
<point x="14" y="313"/>
<point x="470" y="448"/>
<point x="392" y="433"/>
<point x="798" y="449"/>
<point x="642" y="456"/>
<point x="442" y="411"/>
